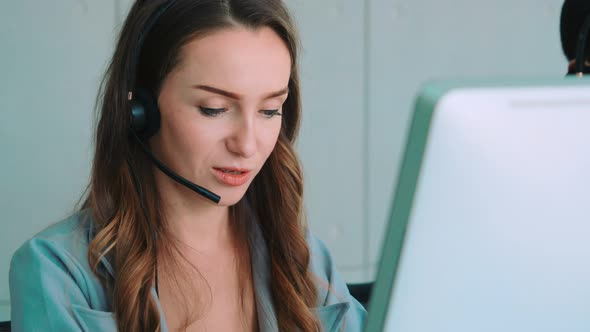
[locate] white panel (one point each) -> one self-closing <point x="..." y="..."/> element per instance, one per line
<point x="53" y="53"/>
<point x="413" y="41"/>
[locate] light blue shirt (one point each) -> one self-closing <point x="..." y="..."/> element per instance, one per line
<point x="53" y="288"/>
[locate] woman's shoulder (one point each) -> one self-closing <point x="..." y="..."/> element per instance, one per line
<point x="61" y="245"/>
<point x="50" y="279"/>
<point x="69" y="236"/>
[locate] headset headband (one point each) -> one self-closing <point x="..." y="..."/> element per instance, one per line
<point x="151" y="21"/>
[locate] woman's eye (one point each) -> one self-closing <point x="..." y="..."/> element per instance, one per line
<point x="211" y="111"/>
<point x="271" y="113"/>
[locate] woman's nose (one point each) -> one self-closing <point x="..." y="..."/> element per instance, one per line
<point x="242" y="141"/>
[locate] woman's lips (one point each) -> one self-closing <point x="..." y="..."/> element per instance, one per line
<point x="231" y="176"/>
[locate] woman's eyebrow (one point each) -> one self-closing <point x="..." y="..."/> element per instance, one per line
<point x="236" y="96"/>
<point x="279" y="93"/>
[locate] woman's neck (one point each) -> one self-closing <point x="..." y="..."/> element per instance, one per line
<point x="192" y="220"/>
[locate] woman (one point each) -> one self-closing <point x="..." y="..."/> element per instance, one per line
<point x="207" y="89"/>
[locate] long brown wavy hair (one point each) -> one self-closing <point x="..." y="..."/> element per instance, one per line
<point x="132" y="236"/>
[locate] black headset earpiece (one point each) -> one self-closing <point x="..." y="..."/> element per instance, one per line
<point x="145" y="114"/>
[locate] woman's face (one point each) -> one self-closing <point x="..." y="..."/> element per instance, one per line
<point x="221" y="109"/>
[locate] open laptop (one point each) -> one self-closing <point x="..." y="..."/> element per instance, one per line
<point x="490" y="224"/>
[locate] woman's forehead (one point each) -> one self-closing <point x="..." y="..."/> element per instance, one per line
<point x="237" y="57"/>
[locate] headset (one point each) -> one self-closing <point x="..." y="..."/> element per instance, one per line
<point x="581" y="46"/>
<point x="145" y="113"/>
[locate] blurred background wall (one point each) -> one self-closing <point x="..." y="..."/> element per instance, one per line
<point x="362" y="64"/>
